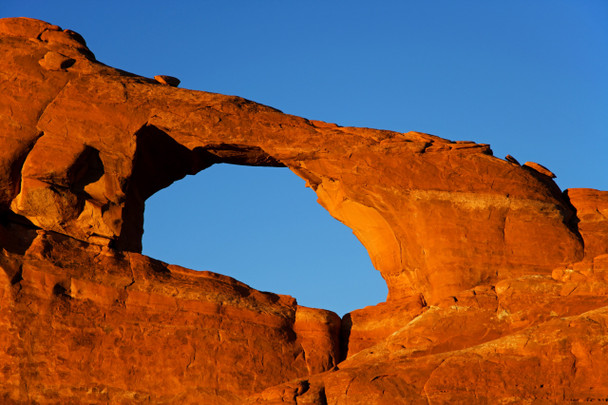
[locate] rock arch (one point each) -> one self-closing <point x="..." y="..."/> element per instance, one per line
<point x="436" y="216"/>
<point x="85" y="318"/>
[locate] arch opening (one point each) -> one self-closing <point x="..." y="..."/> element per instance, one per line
<point x="261" y="226"/>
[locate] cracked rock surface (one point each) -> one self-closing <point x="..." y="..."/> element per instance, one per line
<point x="497" y="279"/>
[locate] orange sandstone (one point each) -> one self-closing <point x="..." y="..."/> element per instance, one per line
<point x="497" y="280"/>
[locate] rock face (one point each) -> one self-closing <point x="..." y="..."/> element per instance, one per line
<point x="129" y="328"/>
<point x="497" y="280"/>
<point x="592" y="216"/>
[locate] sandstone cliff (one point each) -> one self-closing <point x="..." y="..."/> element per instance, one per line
<point x="497" y="280"/>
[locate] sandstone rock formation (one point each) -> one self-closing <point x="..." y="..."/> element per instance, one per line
<point x="497" y="280"/>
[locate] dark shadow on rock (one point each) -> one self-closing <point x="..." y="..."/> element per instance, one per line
<point x="16" y="232"/>
<point x="567" y="209"/>
<point x="573" y="224"/>
<point x="345" y="328"/>
<point x="87" y="169"/>
<point x="16" y="167"/>
<point x="159" y="161"/>
<point x="244" y="155"/>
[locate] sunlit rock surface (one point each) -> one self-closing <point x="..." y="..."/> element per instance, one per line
<point x="497" y="280"/>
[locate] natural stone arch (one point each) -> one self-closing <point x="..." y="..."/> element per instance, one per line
<point x="159" y="161"/>
<point x="435" y="216"/>
<point x="460" y="217"/>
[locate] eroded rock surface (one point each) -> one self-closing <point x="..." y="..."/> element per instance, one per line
<point x="84" y="323"/>
<point x="497" y="286"/>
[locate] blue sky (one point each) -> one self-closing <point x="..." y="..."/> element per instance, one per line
<point x="528" y="77"/>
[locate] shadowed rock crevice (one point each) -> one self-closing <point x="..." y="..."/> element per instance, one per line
<point x="345" y="331"/>
<point x="242" y="155"/>
<point x="16" y="232"/>
<point x="87" y="169"/>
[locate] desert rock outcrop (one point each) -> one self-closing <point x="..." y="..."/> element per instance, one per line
<point x="486" y="261"/>
<point x="436" y="216"/>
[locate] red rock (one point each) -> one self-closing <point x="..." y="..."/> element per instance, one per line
<point x="522" y="341"/>
<point x="511" y="159"/>
<point x="592" y="214"/>
<point x="498" y="281"/>
<point x="25" y="27"/>
<point x="132" y="328"/>
<point x="319" y="333"/>
<point x="168" y="80"/>
<point x="139" y="138"/>
<point x="55" y="61"/>
<point x="540" y="169"/>
<point x="368" y="326"/>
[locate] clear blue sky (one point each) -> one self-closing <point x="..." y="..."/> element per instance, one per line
<point x="528" y="77"/>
